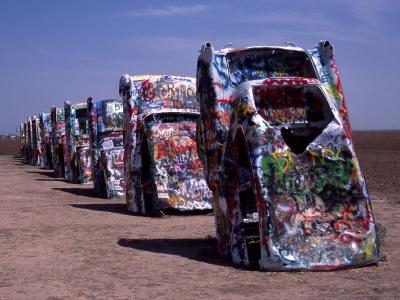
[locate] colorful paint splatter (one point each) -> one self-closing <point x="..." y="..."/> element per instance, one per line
<point x="22" y="140"/>
<point x="34" y="141"/>
<point x="162" y="167"/>
<point x="58" y="140"/>
<point x="78" y="160"/>
<point x="45" y="132"/>
<point x="106" y="145"/>
<point x="276" y="138"/>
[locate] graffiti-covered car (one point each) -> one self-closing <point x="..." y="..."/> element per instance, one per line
<point x="106" y="146"/>
<point x="45" y="136"/>
<point x="29" y="141"/>
<point x="21" y="139"/>
<point x="58" y="140"/>
<point x="78" y="161"/>
<point x="288" y="189"/>
<point x="24" y="140"/>
<point x="34" y="141"/>
<point x="163" y="170"/>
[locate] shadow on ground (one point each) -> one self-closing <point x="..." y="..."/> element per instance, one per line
<point x="86" y="192"/>
<point x="48" y="173"/>
<point x="50" y="179"/>
<point x="200" y="249"/>
<point x="19" y="161"/>
<point x="118" y="208"/>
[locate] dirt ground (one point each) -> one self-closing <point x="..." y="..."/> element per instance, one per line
<point x="9" y="146"/>
<point x="59" y="241"/>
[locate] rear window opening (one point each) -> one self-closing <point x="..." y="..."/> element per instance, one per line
<point x="301" y="112"/>
<point x="81" y="113"/>
<point x="264" y="63"/>
<point x="82" y="117"/>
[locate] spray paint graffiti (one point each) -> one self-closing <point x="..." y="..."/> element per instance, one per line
<point x="324" y="60"/>
<point x="288" y="190"/>
<point x="163" y="169"/>
<point x="29" y="149"/>
<point x="129" y="89"/>
<point x="33" y="141"/>
<point x="45" y="149"/>
<point x="78" y="160"/>
<point x="179" y="173"/>
<point x="58" y="140"/>
<point x="106" y="146"/>
<point x="22" y="140"/>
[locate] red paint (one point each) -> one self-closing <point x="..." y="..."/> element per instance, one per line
<point x="224" y="100"/>
<point x="289" y="81"/>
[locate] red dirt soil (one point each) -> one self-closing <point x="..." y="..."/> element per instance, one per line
<point x="57" y="240"/>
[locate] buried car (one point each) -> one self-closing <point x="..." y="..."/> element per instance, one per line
<point x="106" y="146"/>
<point x="78" y="161"/>
<point x="162" y="167"/>
<point x="288" y="189"/>
<point x="58" y="140"/>
<point x="34" y="141"/>
<point x="22" y="139"/>
<point x="45" y="134"/>
<point x="25" y="142"/>
<point x="29" y="149"/>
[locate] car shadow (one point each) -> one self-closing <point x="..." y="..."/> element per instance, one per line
<point x="50" y="179"/>
<point x="48" y="173"/>
<point x="19" y="161"/>
<point x="117" y="208"/>
<point x="18" y="158"/>
<point x="199" y="249"/>
<point x="121" y="208"/>
<point x="86" y="192"/>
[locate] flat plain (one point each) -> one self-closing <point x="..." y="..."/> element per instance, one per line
<point x="59" y="241"/>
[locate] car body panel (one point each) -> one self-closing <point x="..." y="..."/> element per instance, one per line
<point x="324" y="61"/>
<point x="106" y="143"/>
<point x="58" y="140"/>
<point x="34" y="141"/>
<point x="78" y="160"/>
<point x="177" y="169"/>
<point x="24" y="138"/>
<point x="29" y="149"/>
<point x="22" y="141"/>
<point x="45" y="130"/>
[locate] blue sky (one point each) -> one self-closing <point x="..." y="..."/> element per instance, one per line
<point x="53" y="51"/>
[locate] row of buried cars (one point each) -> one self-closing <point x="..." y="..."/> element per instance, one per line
<point x="262" y="135"/>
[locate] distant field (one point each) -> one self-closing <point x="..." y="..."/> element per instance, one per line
<point x="9" y="146"/>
